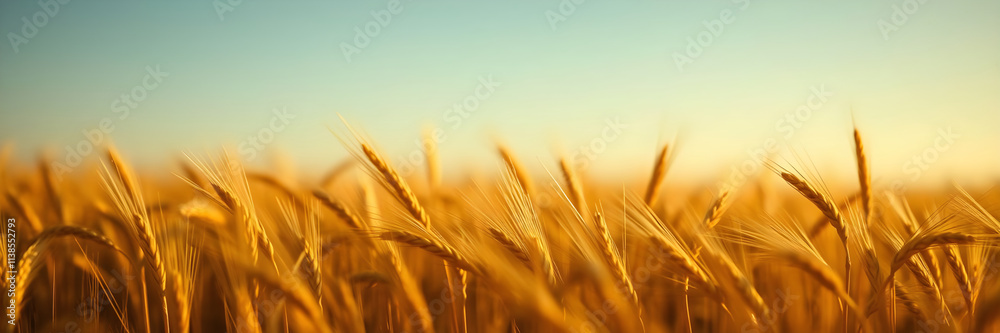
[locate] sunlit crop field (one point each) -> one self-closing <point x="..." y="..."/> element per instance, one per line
<point x="208" y="245"/>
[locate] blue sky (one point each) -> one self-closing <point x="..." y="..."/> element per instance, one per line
<point x="557" y="86"/>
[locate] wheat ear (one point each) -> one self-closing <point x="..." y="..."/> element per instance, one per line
<point x="821" y="201"/>
<point x="398" y="186"/>
<point x="714" y="214"/>
<point x="340" y="209"/>
<point x="125" y="193"/>
<point x="437" y="248"/>
<point x="961" y="275"/>
<point x="688" y="266"/>
<point x="864" y="174"/>
<point x="744" y="287"/>
<point x="613" y="258"/>
<point x="34" y="250"/>
<point x="656" y="179"/>
<point x="519" y="171"/>
<point x="909" y="302"/>
<point x="918" y="244"/>
<point x="511" y="246"/>
<point x="574" y="187"/>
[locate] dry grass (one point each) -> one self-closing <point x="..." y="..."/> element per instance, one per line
<point x="219" y="248"/>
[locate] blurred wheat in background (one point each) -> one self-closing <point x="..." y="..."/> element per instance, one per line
<point x="216" y="247"/>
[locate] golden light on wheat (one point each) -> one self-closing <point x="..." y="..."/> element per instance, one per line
<point x="215" y="247"/>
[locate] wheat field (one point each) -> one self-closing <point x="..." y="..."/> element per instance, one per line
<point x="210" y="246"/>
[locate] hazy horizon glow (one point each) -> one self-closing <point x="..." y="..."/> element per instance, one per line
<point x="723" y="78"/>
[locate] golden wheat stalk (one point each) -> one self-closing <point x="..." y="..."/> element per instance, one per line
<point x="788" y="242"/>
<point x="656" y="179"/>
<point x="344" y="213"/>
<point x="865" y="247"/>
<point x="437" y="248"/>
<point x="29" y="259"/>
<point x="388" y="255"/>
<point x="743" y="286"/>
<point x="548" y="266"/>
<point x="821" y="223"/>
<point x="961" y="275"/>
<point x="669" y="247"/>
<point x="193" y="176"/>
<point x="822" y="202"/>
<point x="411" y="290"/>
<point x="230" y="184"/>
<point x="519" y="171"/>
<point x="126" y="195"/>
<point x="909" y="302"/>
<point x="864" y="174"/>
<point x="686" y="263"/>
<point x="574" y="186"/>
<point x="295" y="294"/>
<point x="613" y="258"/>
<point x="714" y="214"/>
<point x="397" y="186"/>
<point x="829" y="209"/>
<point x="253" y="230"/>
<point x="823" y="274"/>
<point x="510" y="245"/>
<point x="919" y="243"/>
<point x="307" y="234"/>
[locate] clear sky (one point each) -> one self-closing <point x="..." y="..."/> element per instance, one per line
<point x="719" y="76"/>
